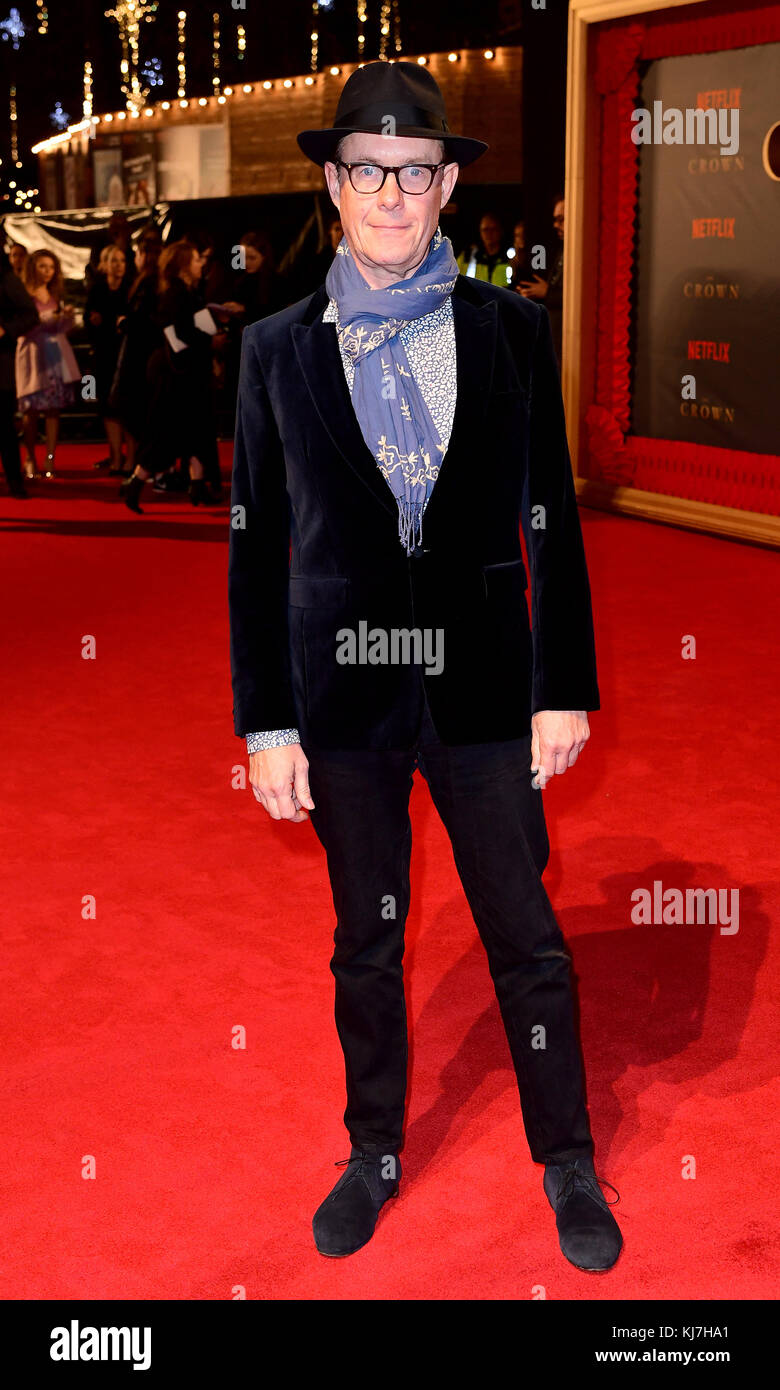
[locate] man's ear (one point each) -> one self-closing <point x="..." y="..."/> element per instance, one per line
<point x="448" y="180"/>
<point x="332" y="180"/>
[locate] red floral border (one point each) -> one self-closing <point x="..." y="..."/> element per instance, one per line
<point x="727" y="477"/>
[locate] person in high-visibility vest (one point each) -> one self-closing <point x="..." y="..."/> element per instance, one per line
<point x="487" y="261"/>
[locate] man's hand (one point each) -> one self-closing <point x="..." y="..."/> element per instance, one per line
<point x="279" y="780"/>
<point x="533" y="289"/>
<point x="558" y="736"/>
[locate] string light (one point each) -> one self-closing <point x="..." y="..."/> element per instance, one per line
<point x="14" y="127"/>
<point x="215" y="79"/>
<point x="128" y="15"/>
<point x="384" y="28"/>
<point x="13" y="28"/>
<point x="397" y="26"/>
<point x="241" y="41"/>
<point x="181" y="60"/>
<point x="362" y="18"/>
<point x="86" y="105"/>
<point x="59" y="118"/>
<point x="43" y="16"/>
<point x="152" y="73"/>
<point x="315" y="37"/>
<point x="90" y="121"/>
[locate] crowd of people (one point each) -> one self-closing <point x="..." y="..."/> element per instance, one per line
<point x="164" y="324"/>
<point x="490" y="259"/>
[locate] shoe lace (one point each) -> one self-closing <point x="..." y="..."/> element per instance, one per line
<point x="360" y="1158"/>
<point x="574" y="1178"/>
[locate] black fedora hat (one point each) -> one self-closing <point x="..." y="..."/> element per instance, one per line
<point x="404" y="92"/>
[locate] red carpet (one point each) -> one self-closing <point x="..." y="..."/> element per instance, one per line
<point x="117" y="1030"/>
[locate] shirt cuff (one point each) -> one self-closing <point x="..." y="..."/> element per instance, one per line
<point x="271" y="738"/>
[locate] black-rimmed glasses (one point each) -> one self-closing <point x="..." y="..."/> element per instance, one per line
<point x="411" y="178"/>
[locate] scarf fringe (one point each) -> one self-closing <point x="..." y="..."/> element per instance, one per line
<point x="410" y="516"/>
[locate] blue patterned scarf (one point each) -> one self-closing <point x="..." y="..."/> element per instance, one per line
<point x="391" y="411"/>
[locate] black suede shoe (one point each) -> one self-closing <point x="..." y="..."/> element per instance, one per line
<point x="346" y="1219"/>
<point x="588" y="1232"/>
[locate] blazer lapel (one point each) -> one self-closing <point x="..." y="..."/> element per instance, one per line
<point x="317" y="350"/>
<point x="475" y="349"/>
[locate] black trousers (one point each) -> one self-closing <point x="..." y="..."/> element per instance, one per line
<point x="495" y="822"/>
<point x="180" y="420"/>
<point x="9" y="440"/>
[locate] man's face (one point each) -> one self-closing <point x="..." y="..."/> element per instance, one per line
<point x="490" y="235"/>
<point x="335" y="232"/>
<point x="519" y="237"/>
<point x="558" y="218"/>
<point x="389" y="232"/>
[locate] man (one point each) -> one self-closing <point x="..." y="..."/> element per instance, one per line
<point x="393" y="432"/>
<point x="550" y="291"/>
<point x="488" y="260"/>
<point x="521" y="264"/>
<point x="18" y="315"/>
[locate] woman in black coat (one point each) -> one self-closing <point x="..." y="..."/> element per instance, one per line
<point x="18" y="315"/>
<point x="106" y="304"/>
<point x="180" y="420"/>
<point x="140" y="336"/>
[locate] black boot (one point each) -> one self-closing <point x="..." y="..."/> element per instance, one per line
<point x="198" y="492"/>
<point x="346" y="1219"/>
<point x="131" y="491"/>
<point x="588" y="1232"/>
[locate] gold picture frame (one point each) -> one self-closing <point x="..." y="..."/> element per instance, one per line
<point x="579" y="295"/>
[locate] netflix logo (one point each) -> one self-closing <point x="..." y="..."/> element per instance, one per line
<point x="713" y="227"/>
<point x="703" y="348"/>
<point x="721" y="97"/>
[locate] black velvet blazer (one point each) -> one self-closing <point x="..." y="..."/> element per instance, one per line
<point x="314" y="545"/>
